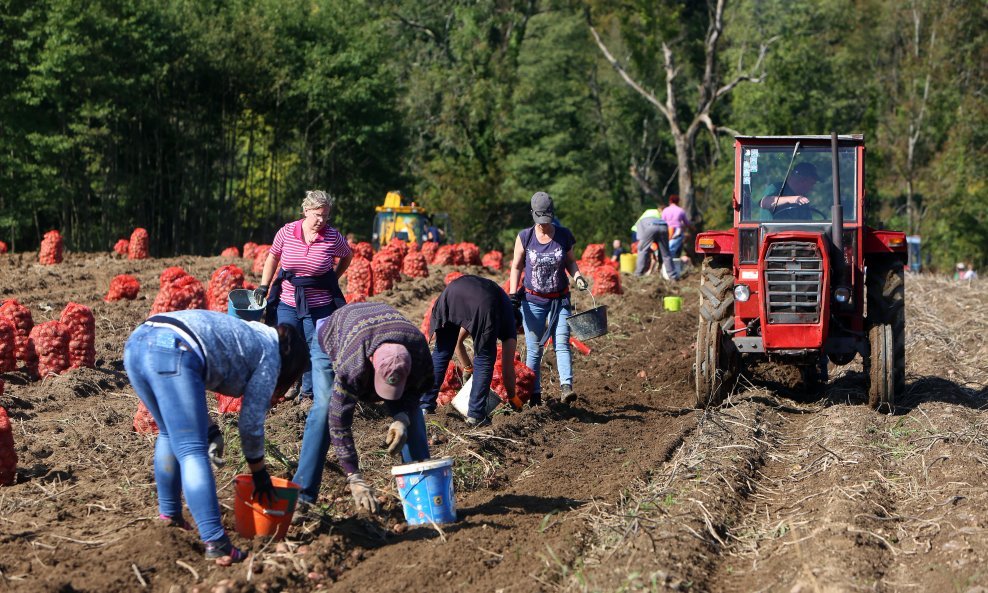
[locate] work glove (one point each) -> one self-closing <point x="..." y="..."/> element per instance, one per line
<point x="397" y="434"/>
<point x="581" y="282"/>
<point x="363" y="496"/>
<point x="260" y="293"/>
<point x="263" y="488"/>
<point x="516" y="299"/>
<point x="215" y="451"/>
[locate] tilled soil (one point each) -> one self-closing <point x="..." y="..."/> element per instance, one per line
<point x="627" y="489"/>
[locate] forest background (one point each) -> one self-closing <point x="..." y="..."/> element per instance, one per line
<point x="205" y="120"/>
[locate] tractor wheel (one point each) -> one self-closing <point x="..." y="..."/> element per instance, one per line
<point x="716" y="356"/>
<point x="885" y="365"/>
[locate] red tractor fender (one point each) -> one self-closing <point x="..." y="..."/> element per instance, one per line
<point x="883" y="242"/>
<point x="715" y="242"/>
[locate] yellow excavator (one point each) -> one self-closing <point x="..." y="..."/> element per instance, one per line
<point x="400" y="219"/>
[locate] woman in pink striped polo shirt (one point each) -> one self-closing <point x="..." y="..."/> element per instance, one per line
<point x="313" y="256"/>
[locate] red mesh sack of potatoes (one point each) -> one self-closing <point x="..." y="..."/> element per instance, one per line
<point x="606" y="280"/>
<point x="139" y="242"/>
<point x="593" y="257"/>
<point x="20" y="317"/>
<point x="359" y="277"/>
<point x="386" y="268"/>
<point x="123" y="287"/>
<point x="143" y="420"/>
<point x="355" y="297"/>
<point x="3" y="248"/>
<point x="364" y="250"/>
<point x="427" y="318"/>
<point x="226" y="404"/>
<point x="184" y="293"/>
<point x="429" y="249"/>
<point x="469" y="254"/>
<point x="399" y="246"/>
<point x="81" y="324"/>
<point x="414" y="247"/>
<point x="452" y="276"/>
<point x="446" y="255"/>
<point x="50" y="252"/>
<point x="8" y="455"/>
<point x="634" y="247"/>
<point x="493" y="260"/>
<point x="415" y="265"/>
<point x="51" y="342"/>
<point x="452" y="383"/>
<point x="121" y="247"/>
<point x="250" y="250"/>
<point x="524" y="379"/>
<point x="169" y="275"/>
<point x="260" y="256"/>
<point x="222" y="281"/>
<point x="231" y="252"/>
<point x="8" y="346"/>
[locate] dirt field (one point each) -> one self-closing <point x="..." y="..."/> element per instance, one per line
<point x="630" y="489"/>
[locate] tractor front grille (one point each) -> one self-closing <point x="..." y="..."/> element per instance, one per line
<point x="794" y="282"/>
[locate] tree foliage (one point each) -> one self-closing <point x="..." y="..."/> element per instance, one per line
<point x="204" y="121"/>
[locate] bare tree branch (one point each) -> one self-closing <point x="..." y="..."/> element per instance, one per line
<point x="651" y="98"/>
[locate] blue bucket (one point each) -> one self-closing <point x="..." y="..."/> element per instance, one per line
<point x="426" y="490"/>
<point x="240" y="303"/>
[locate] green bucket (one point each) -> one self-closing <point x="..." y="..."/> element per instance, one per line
<point x="672" y="303"/>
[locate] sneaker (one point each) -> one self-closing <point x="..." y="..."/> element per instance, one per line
<point x="178" y="521"/>
<point x="566" y="394"/>
<point x="221" y="549"/>
<point x="478" y="422"/>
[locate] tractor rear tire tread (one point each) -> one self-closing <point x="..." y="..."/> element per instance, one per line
<point x="716" y="358"/>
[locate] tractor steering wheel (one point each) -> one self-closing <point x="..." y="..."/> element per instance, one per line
<point x="791" y="212"/>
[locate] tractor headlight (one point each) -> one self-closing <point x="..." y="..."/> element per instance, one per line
<point x="842" y="295"/>
<point x="741" y="293"/>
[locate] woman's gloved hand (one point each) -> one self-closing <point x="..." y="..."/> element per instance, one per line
<point x="215" y="437"/>
<point x="363" y="496"/>
<point x="581" y="282"/>
<point x="260" y="293"/>
<point x="263" y="488"/>
<point x="397" y="434"/>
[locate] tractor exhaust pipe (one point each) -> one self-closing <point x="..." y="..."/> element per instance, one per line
<point x="837" y="213"/>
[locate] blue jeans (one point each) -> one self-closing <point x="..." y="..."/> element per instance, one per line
<point x="168" y="377"/>
<point x="315" y="438"/>
<point x="307" y="327"/>
<point x="676" y="245"/>
<point x="483" y="371"/>
<point x="535" y="318"/>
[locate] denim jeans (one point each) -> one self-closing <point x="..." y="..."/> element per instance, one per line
<point x="307" y="327"/>
<point x="676" y="245"/>
<point x="315" y="438"/>
<point x="535" y="318"/>
<point x="483" y="371"/>
<point x="168" y="378"/>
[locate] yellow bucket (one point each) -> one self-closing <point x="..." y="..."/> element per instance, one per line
<point x="672" y="303"/>
<point x="628" y="263"/>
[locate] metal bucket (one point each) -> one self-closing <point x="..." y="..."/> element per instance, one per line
<point x="240" y="303"/>
<point x="591" y="323"/>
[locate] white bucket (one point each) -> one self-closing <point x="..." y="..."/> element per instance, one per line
<point x="462" y="400"/>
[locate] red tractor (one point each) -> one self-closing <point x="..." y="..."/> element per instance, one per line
<point x="800" y="278"/>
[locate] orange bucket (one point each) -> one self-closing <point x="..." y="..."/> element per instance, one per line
<point x="253" y="518"/>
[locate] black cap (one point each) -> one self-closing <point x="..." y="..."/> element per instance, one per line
<point x="806" y="170"/>
<point x="542" y="208"/>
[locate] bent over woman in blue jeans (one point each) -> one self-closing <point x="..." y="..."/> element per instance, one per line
<point x="545" y="253"/>
<point x="171" y="360"/>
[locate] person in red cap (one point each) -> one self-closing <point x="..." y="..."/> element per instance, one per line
<point x="377" y="355"/>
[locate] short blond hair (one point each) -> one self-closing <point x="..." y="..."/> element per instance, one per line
<point x="316" y="198"/>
